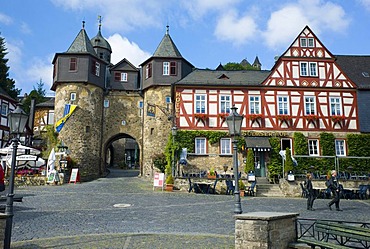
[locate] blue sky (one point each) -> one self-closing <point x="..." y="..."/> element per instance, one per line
<point x="207" y="32"/>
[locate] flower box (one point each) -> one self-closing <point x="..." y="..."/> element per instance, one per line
<point x="284" y="117"/>
<point x="312" y="117"/>
<point x="223" y="116"/>
<point x="254" y="117"/>
<point x="201" y="116"/>
<point x="337" y="118"/>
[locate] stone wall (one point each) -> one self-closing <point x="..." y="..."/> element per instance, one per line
<point x="265" y="230"/>
<point x="2" y="228"/>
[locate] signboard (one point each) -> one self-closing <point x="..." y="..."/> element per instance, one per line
<point x="158" y="180"/>
<point x="53" y="177"/>
<point x="26" y="158"/>
<point x="75" y="176"/>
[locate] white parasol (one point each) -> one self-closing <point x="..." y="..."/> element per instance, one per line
<point x="51" y="162"/>
<point x="20" y="150"/>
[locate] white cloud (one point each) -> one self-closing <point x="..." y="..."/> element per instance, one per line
<point x="234" y="29"/>
<point x="40" y="68"/>
<point x="123" y="48"/>
<point x="5" y="19"/>
<point x="25" y="28"/>
<point x="366" y="4"/>
<point x="120" y="15"/>
<point x="198" y="8"/>
<point x="285" y="23"/>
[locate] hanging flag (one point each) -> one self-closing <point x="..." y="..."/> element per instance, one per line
<point x="68" y="110"/>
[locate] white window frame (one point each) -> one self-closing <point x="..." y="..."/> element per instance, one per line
<point x="140" y="105"/>
<point x="225" y="103"/>
<point x="308" y="69"/>
<point x="166" y="68"/>
<point x="313" y="147"/>
<point x="303" y="68"/>
<point x="340" y="147"/>
<point x="4" y="109"/>
<point x="335" y="106"/>
<point x="97" y="68"/>
<point x="254" y="105"/>
<point x="50" y="117"/>
<point x="310" y="105"/>
<point x="200" y="105"/>
<point x="200" y="145"/>
<point x="225" y="146"/>
<point x="106" y="103"/>
<point x="124" y="77"/>
<point x="303" y="42"/>
<point x="73" y="96"/>
<point x="148" y="71"/>
<point x="283" y="105"/>
<point x="312" y="69"/>
<point x="310" y="42"/>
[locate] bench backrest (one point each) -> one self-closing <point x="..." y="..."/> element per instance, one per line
<point x="343" y="230"/>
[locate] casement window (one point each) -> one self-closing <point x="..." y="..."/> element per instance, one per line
<point x="173" y="68"/>
<point x="119" y="76"/>
<point x="313" y="147"/>
<point x="310" y="105"/>
<point x="308" y="69"/>
<point x="307" y="42"/>
<point x="4" y="109"/>
<point x="335" y="106"/>
<point x="148" y="71"/>
<point x="340" y="149"/>
<point x="72" y="96"/>
<point x="95" y="68"/>
<point x="225" y="146"/>
<point x="168" y="99"/>
<point x="73" y="64"/>
<point x="140" y="105"/>
<point x="166" y="68"/>
<point x="106" y="103"/>
<point x="200" y="145"/>
<point x="200" y="103"/>
<point x="254" y="105"/>
<point x="283" y="105"/>
<point x="225" y="103"/>
<point x="50" y="117"/>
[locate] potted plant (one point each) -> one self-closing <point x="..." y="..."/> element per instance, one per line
<point x="212" y="173"/>
<point x="241" y="188"/>
<point x="169" y="183"/>
<point x="249" y="166"/>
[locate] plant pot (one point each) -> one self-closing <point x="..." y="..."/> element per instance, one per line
<point x="211" y="176"/>
<point x="242" y="193"/>
<point x="169" y="187"/>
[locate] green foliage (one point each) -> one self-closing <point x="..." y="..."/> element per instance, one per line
<point x="234" y="66"/>
<point x="212" y="171"/>
<point x="249" y="164"/>
<point x="6" y="83"/>
<point x="275" y="166"/>
<point x="327" y="144"/>
<point x="241" y="185"/>
<point x="300" y="144"/>
<point x="170" y="180"/>
<point x="288" y="161"/>
<point x="51" y="139"/>
<point x="187" y="138"/>
<point x="37" y="94"/>
<point x="160" y="162"/>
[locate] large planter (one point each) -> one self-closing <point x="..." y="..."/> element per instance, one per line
<point x="211" y="176"/>
<point x="169" y="187"/>
<point x="242" y="193"/>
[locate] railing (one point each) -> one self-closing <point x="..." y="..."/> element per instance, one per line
<point x="306" y="229"/>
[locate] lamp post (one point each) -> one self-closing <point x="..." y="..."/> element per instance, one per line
<point x="234" y="123"/>
<point x="17" y="122"/>
<point x="174" y="133"/>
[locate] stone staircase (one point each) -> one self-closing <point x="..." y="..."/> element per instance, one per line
<point x="266" y="189"/>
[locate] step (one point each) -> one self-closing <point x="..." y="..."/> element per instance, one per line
<point x="268" y="190"/>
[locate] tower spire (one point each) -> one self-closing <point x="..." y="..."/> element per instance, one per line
<point x="167" y="29"/>
<point x="99" y="18"/>
<point x="83" y="24"/>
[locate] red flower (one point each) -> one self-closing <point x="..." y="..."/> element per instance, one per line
<point x="201" y="116"/>
<point x="223" y="115"/>
<point x="254" y="116"/>
<point x="284" y="117"/>
<point x="311" y="117"/>
<point x="337" y="118"/>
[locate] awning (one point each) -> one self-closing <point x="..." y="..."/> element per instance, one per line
<point x="258" y="143"/>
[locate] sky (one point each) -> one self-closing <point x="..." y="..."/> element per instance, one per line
<point x="206" y="32"/>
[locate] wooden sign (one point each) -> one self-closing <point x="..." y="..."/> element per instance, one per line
<point x="75" y="176"/>
<point x="158" y="180"/>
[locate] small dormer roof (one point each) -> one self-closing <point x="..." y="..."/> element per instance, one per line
<point x="81" y="43"/>
<point x="167" y="47"/>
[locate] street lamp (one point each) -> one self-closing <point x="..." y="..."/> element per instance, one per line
<point x="174" y="133"/>
<point x="17" y="122"/>
<point x="234" y="122"/>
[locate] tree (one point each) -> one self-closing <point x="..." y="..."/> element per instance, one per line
<point x="7" y="84"/>
<point x="288" y="161"/>
<point x="234" y="66"/>
<point x="37" y="93"/>
<point x="249" y="164"/>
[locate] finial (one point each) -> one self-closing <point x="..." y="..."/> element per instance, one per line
<point x="99" y="18"/>
<point x="83" y="24"/>
<point x="167" y="29"/>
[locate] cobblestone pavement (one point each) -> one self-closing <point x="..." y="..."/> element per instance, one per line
<point x="123" y="211"/>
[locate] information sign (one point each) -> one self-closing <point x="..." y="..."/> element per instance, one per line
<point x="158" y="180"/>
<point x="75" y="176"/>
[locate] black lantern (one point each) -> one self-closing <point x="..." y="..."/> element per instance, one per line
<point x="234" y="122"/>
<point x="17" y="122"/>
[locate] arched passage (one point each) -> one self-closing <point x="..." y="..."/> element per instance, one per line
<point x="122" y="151"/>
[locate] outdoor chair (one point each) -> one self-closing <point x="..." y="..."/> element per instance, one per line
<point x="191" y="185"/>
<point x="229" y="187"/>
<point x="212" y="190"/>
<point x="304" y="191"/>
<point x="362" y="192"/>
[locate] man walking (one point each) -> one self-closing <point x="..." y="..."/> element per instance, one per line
<point x="333" y="185"/>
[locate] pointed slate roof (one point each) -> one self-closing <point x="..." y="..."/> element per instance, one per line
<point x="82" y="44"/>
<point x="257" y="61"/>
<point x="167" y="48"/>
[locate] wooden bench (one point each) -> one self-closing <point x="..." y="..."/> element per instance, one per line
<point x="337" y="235"/>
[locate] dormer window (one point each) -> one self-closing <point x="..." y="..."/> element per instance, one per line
<point x="120" y="76"/>
<point x="170" y="68"/>
<point x="95" y="68"/>
<point x="73" y="64"/>
<point x="166" y="68"/>
<point x="307" y="42"/>
<point x="72" y="96"/>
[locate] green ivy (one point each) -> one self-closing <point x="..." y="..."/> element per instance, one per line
<point x="249" y="164"/>
<point x="327" y="144"/>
